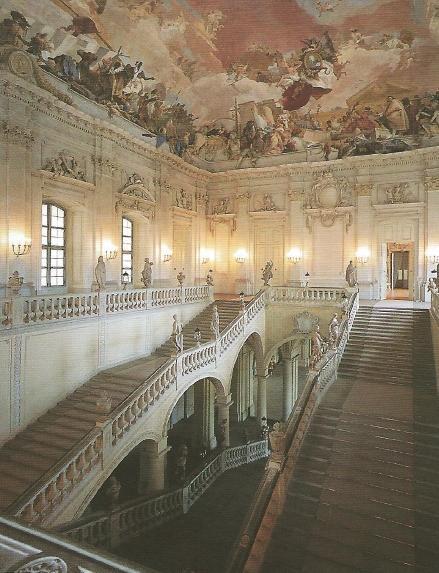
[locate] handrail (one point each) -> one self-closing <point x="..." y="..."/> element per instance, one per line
<point x="137" y="516"/>
<point x="40" y="498"/>
<point x="29" y="310"/>
<point x="292" y="435"/>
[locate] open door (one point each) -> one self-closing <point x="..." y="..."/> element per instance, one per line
<point x="399" y="265"/>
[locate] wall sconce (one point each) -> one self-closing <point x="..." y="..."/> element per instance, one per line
<point x="110" y="251"/>
<point x="241" y="256"/>
<point x="295" y="256"/>
<point x="20" y="247"/>
<point x="206" y="256"/>
<point x="433" y="255"/>
<point x="167" y="254"/>
<point x="363" y="255"/>
<point x="110" y="255"/>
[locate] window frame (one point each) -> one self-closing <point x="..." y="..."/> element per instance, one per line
<point x="125" y="252"/>
<point x="48" y="247"/>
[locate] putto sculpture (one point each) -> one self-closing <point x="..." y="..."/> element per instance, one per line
<point x="147" y="273"/>
<point x="180" y="278"/>
<point x="65" y="164"/>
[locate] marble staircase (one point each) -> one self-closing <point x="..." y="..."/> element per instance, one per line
<point x="364" y="493"/>
<point x="33" y="452"/>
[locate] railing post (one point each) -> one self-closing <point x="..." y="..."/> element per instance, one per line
<point x="16" y="312"/>
<point x="114" y="525"/>
<point x="185" y="498"/>
<point x="102" y="305"/>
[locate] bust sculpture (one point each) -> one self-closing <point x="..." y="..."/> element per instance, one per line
<point x="351" y="274"/>
<point x="147" y="273"/>
<point x="100" y="273"/>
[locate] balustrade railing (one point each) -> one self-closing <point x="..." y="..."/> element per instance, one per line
<point x="134" y="518"/>
<point x="305" y="294"/>
<point x="28" y="310"/>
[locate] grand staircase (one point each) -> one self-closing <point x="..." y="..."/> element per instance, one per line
<point x="364" y="494"/>
<point x="27" y="457"/>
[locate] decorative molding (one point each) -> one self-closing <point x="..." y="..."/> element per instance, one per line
<point x="228" y="218"/>
<point x="305" y="322"/>
<point x="106" y="165"/>
<point x="184" y="200"/>
<point x="327" y="217"/>
<point x="16" y="134"/>
<point x="25" y="66"/>
<point x="364" y="189"/>
<point x="431" y="184"/>
<point x="397" y="193"/>
<point x="222" y="207"/>
<point x="64" y="164"/>
<point x="268" y="214"/>
<point x="134" y="196"/>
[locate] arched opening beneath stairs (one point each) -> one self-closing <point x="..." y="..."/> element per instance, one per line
<point x="143" y="471"/>
<point x="286" y="367"/>
<point x="194" y="428"/>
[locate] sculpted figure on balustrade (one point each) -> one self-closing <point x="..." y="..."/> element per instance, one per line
<point x="267" y="272"/>
<point x="147" y="273"/>
<point x="15" y="282"/>
<point x="177" y="334"/>
<point x="100" y="273"/>
<point x="209" y="278"/>
<point x="351" y="274"/>
<point x="215" y="323"/>
<point x="318" y="347"/>
<point x="334" y="331"/>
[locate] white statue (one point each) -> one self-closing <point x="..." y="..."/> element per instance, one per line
<point x="317" y="347"/>
<point x="351" y="274"/>
<point x="103" y="403"/>
<point x="215" y="323"/>
<point x="241" y="303"/>
<point x="147" y="273"/>
<point x="209" y="278"/>
<point x="334" y="331"/>
<point x="101" y="273"/>
<point x="267" y="272"/>
<point x="177" y="334"/>
<point x="431" y="286"/>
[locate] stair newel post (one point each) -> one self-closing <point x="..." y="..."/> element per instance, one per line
<point x="102" y="303"/>
<point x="106" y="438"/>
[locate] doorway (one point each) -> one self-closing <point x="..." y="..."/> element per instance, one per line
<point x="399" y="271"/>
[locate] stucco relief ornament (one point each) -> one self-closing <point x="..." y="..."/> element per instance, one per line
<point x="397" y="193"/>
<point x="44" y="565"/>
<point x="267" y="273"/>
<point x="134" y="196"/>
<point x="305" y="322"/>
<point x="431" y="184"/>
<point x="329" y="198"/>
<point x="64" y="164"/>
<point x="222" y="207"/>
<point x="183" y="200"/>
<point x="267" y="203"/>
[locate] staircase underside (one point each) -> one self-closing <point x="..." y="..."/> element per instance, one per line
<point x="364" y="494"/>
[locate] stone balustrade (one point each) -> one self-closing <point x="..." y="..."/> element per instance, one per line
<point x="29" y="310"/>
<point x="306" y="295"/>
<point x="136" y="517"/>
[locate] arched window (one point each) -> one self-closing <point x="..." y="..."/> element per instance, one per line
<point x="127" y="250"/>
<point x="53" y="246"/>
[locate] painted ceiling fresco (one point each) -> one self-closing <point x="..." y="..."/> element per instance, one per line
<point x="236" y="80"/>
